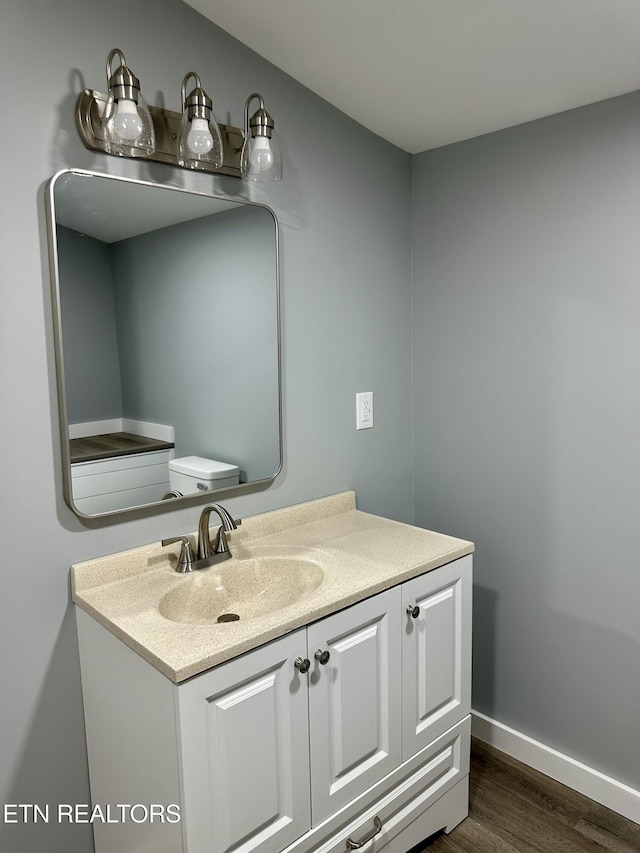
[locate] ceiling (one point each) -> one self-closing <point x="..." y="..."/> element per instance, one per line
<point x="425" y="73"/>
<point x="112" y="209"/>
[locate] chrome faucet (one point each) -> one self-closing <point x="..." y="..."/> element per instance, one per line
<point x="207" y="548"/>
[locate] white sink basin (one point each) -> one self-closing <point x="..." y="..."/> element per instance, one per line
<point x="241" y="590"/>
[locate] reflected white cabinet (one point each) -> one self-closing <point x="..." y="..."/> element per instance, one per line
<point x="119" y="482"/>
<point x="371" y="741"/>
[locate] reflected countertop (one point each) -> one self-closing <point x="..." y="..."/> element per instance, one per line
<point x="112" y="444"/>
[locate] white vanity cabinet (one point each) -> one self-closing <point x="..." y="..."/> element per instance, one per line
<point x="243" y="729"/>
<point x="436" y="653"/>
<point x="371" y="741"/>
<point x="268" y="750"/>
<point x="355" y="701"/>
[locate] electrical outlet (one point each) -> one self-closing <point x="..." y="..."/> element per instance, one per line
<point x="364" y="410"/>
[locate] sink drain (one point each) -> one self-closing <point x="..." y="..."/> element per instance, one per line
<point x="228" y="617"/>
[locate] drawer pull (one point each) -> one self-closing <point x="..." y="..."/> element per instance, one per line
<point x="377" y="828"/>
<point x="302" y="664"/>
<point x="322" y="657"/>
<point x="414" y="612"/>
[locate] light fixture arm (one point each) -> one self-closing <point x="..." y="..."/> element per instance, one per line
<point x="260" y="123"/>
<point x="122" y="82"/>
<point x="198" y="104"/>
<point x="112" y="53"/>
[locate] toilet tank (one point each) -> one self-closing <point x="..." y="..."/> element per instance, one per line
<point x="191" y="475"/>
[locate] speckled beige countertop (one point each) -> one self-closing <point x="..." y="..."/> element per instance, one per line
<point x="360" y="555"/>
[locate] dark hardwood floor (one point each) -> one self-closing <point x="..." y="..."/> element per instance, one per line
<point x="514" y="808"/>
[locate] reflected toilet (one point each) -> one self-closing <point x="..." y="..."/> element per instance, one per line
<point x="191" y="475"/>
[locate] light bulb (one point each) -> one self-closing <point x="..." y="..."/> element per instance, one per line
<point x="126" y="121"/>
<point x="261" y="155"/>
<point x="199" y="138"/>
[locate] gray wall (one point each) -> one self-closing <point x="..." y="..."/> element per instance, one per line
<point x="345" y="215"/>
<point x="87" y="308"/>
<point x="196" y="312"/>
<point x="526" y="319"/>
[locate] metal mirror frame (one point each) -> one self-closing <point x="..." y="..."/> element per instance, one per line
<point x="176" y="502"/>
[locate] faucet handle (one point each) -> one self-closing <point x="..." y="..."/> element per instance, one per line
<point x="186" y="558"/>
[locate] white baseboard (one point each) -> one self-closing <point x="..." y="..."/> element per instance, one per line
<point x="160" y="431"/>
<point x="89" y="428"/>
<point x="593" y="784"/>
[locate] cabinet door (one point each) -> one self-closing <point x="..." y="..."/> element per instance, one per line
<point x="243" y="731"/>
<point x="354" y="701"/>
<point x="436" y="654"/>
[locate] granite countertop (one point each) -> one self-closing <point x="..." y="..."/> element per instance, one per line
<point x="360" y="555"/>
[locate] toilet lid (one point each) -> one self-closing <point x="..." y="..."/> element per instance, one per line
<point x="199" y="466"/>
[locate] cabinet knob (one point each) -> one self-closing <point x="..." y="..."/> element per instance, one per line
<point x="302" y="664"/>
<point x="414" y="612"/>
<point x="322" y="657"/>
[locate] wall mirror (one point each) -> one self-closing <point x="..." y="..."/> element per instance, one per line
<point x="166" y="328"/>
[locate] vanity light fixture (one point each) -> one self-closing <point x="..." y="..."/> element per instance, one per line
<point x="261" y="158"/>
<point x="127" y="128"/>
<point x="121" y="123"/>
<point x="199" y="141"/>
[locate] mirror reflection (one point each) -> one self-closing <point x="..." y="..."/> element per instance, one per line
<point x="167" y="340"/>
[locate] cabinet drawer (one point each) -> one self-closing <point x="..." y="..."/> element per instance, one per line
<point x="124" y="499"/>
<point x="121" y="463"/>
<point x="116" y="475"/>
<point x="105" y="485"/>
<point x="441" y="767"/>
